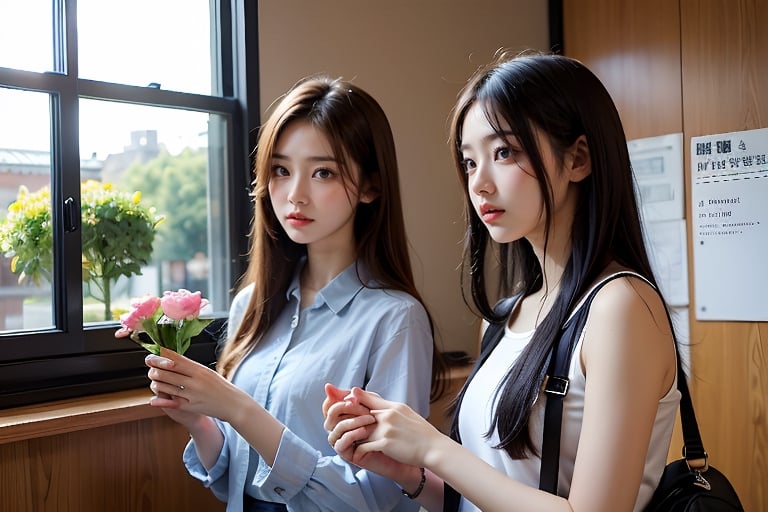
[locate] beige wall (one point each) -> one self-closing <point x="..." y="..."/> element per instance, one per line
<point x="412" y="56"/>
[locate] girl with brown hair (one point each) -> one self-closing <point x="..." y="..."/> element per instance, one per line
<point x="328" y="295"/>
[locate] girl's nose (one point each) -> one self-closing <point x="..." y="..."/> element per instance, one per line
<point x="297" y="194"/>
<point x="480" y="181"/>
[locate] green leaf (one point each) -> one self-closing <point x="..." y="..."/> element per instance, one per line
<point x="189" y="329"/>
<point x="154" y="348"/>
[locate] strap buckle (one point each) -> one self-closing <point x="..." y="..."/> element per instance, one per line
<point x="698" y="464"/>
<point x="556" y="385"/>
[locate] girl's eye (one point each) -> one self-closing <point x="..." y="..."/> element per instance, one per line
<point x="468" y="164"/>
<point x="279" y="170"/>
<point x="323" y="174"/>
<point x="508" y="152"/>
<point x="502" y="153"/>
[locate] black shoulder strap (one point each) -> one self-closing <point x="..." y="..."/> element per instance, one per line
<point x="693" y="447"/>
<point x="556" y="385"/>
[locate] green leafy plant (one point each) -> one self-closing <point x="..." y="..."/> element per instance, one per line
<point x="117" y="236"/>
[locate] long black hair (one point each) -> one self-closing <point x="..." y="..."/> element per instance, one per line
<point x="564" y="100"/>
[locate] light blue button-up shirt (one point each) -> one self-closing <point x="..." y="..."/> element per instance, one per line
<point x="373" y="338"/>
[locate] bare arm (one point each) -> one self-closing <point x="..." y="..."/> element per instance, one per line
<point x="629" y="360"/>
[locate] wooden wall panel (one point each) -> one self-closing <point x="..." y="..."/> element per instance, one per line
<point x="126" y="467"/>
<point x="725" y="88"/>
<point x="633" y="46"/>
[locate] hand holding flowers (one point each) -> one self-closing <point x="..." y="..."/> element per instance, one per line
<point x="170" y="321"/>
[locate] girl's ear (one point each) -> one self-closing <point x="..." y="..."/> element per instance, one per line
<point x="578" y="162"/>
<point x="371" y="189"/>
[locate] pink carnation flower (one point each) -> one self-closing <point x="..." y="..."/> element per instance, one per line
<point x="142" y="308"/>
<point x="182" y="305"/>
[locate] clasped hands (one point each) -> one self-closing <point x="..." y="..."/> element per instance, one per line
<point x="374" y="433"/>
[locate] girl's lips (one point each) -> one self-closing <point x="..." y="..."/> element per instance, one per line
<point x="490" y="213"/>
<point x="298" y="220"/>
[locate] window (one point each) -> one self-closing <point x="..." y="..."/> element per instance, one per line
<point x="116" y="112"/>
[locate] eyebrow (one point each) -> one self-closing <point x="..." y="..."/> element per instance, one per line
<point x="281" y="156"/>
<point x="490" y="137"/>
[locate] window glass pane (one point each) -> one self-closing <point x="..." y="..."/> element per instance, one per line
<point x="26" y="37"/>
<point x="26" y="235"/>
<point x="168" y="43"/>
<point x="152" y="220"/>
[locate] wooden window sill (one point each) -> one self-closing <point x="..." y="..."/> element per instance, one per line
<point x="62" y="416"/>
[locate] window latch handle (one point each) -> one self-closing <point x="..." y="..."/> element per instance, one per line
<point x="71" y="215"/>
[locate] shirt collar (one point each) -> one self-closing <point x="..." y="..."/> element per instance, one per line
<point x="338" y="292"/>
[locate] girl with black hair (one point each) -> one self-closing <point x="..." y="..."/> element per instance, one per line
<point x="542" y="157"/>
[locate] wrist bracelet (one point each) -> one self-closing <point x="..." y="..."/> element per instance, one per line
<point x="420" y="488"/>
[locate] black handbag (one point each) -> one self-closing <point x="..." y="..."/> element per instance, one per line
<point x="689" y="484"/>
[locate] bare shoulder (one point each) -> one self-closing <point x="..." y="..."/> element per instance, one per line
<point x="630" y="299"/>
<point x="628" y="332"/>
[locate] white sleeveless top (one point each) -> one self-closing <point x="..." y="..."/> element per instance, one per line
<point x="478" y="406"/>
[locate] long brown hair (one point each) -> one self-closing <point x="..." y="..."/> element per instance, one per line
<point x="358" y="130"/>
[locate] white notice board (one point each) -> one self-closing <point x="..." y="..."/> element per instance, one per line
<point x="729" y="175"/>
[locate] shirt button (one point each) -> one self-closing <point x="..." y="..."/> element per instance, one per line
<point x="294" y="321"/>
<point x="279" y="491"/>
